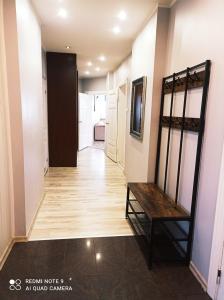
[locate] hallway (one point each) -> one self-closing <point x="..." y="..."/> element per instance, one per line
<point x="87" y="201"/>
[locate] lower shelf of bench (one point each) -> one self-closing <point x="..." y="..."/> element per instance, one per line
<point x="163" y="249"/>
<point x="164" y="237"/>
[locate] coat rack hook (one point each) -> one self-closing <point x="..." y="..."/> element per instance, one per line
<point x="197" y="78"/>
<point x="167" y="85"/>
<point x="179" y="81"/>
<point x="191" y="77"/>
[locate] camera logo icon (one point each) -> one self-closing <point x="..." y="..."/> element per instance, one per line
<point x="15" y="284"/>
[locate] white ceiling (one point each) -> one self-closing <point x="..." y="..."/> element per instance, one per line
<point x="87" y="28"/>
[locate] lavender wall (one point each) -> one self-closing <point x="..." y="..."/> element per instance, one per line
<point x="194" y="36"/>
<point x="30" y="67"/>
<point x="15" y="111"/>
<point x="6" y="195"/>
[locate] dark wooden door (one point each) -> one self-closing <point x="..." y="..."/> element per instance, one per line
<point x="62" y="109"/>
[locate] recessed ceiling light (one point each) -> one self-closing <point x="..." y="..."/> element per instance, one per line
<point x="122" y="15"/>
<point x="102" y="58"/>
<point x="87" y="72"/>
<point x="62" y="13"/>
<point x="88" y="243"/>
<point x="116" y="30"/>
<point x="68" y="47"/>
<point x="89" y="63"/>
<point x="97" y="69"/>
<point x="98" y="256"/>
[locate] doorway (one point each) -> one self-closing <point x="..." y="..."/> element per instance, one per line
<point x="99" y="120"/>
<point x="92" y="116"/>
<point x="45" y="126"/>
<point x="116" y="111"/>
<point x="111" y="126"/>
<point x="85" y="121"/>
<point x="121" y="121"/>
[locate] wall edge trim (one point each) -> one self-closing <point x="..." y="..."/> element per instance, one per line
<point x="6" y="252"/>
<point x="198" y="276"/>
<point x="35" y="216"/>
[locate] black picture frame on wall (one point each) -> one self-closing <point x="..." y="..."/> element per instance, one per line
<point x="138" y="107"/>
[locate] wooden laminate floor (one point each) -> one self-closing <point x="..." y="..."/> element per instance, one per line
<point x="87" y="201"/>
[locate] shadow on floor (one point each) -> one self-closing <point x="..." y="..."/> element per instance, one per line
<point x="88" y="269"/>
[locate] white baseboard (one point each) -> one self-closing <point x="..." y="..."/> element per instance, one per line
<point x="198" y="276"/>
<point x="34" y="217"/>
<point x="19" y="239"/>
<point x="5" y="253"/>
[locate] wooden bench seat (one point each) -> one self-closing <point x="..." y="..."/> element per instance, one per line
<point x="156" y="204"/>
<point x="157" y="220"/>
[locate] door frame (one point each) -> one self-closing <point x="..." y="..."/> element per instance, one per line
<point x="79" y="121"/>
<point x="218" y="236"/>
<point x="110" y="92"/>
<point x="124" y="84"/>
<point x="45" y="125"/>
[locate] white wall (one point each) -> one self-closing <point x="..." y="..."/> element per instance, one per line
<point x="15" y="111"/>
<point x="194" y="36"/>
<point x="30" y="66"/>
<point x="147" y="59"/>
<point x="121" y="76"/>
<point x="93" y="84"/>
<point x="159" y="70"/>
<point x="142" y="64"/>
<point x="6" y="186"/>
<point x="80" y="85"/>
<point x="110" y="81"/>
<point x="122" y="73"/>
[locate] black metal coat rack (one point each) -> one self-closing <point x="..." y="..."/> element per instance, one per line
<point x="188" y="79"/>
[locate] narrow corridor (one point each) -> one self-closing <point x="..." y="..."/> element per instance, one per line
<point x="86" y="201"/>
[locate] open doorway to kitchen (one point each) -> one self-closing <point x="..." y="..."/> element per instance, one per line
<point x="92" y="117"/>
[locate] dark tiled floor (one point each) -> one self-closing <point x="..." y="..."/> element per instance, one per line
<point x="99" y="268"/>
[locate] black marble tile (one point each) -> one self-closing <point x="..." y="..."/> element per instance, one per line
<point x="80" y="247"/>
<point x="109" y="263"/>
<point x="80" y="266"/>
<point x="121" y="246"/>
<point x="177" y="279"/>
<point x="112" y="286"/>
<point x="97" y="268"/>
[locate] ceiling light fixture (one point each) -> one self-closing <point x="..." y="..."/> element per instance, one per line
<point x="102" y="58"/>
<point x="88" y="243"/>
<point x="116" y="30"/>
<point x="89" y="63"/>
<point x="62" y="13"/>
<point x="98" y="256"/>
<point x="68" y="47"/>
<point x="122" y="15"/>
<point x="87" y="72"/>
<point x="97" y="69"/>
